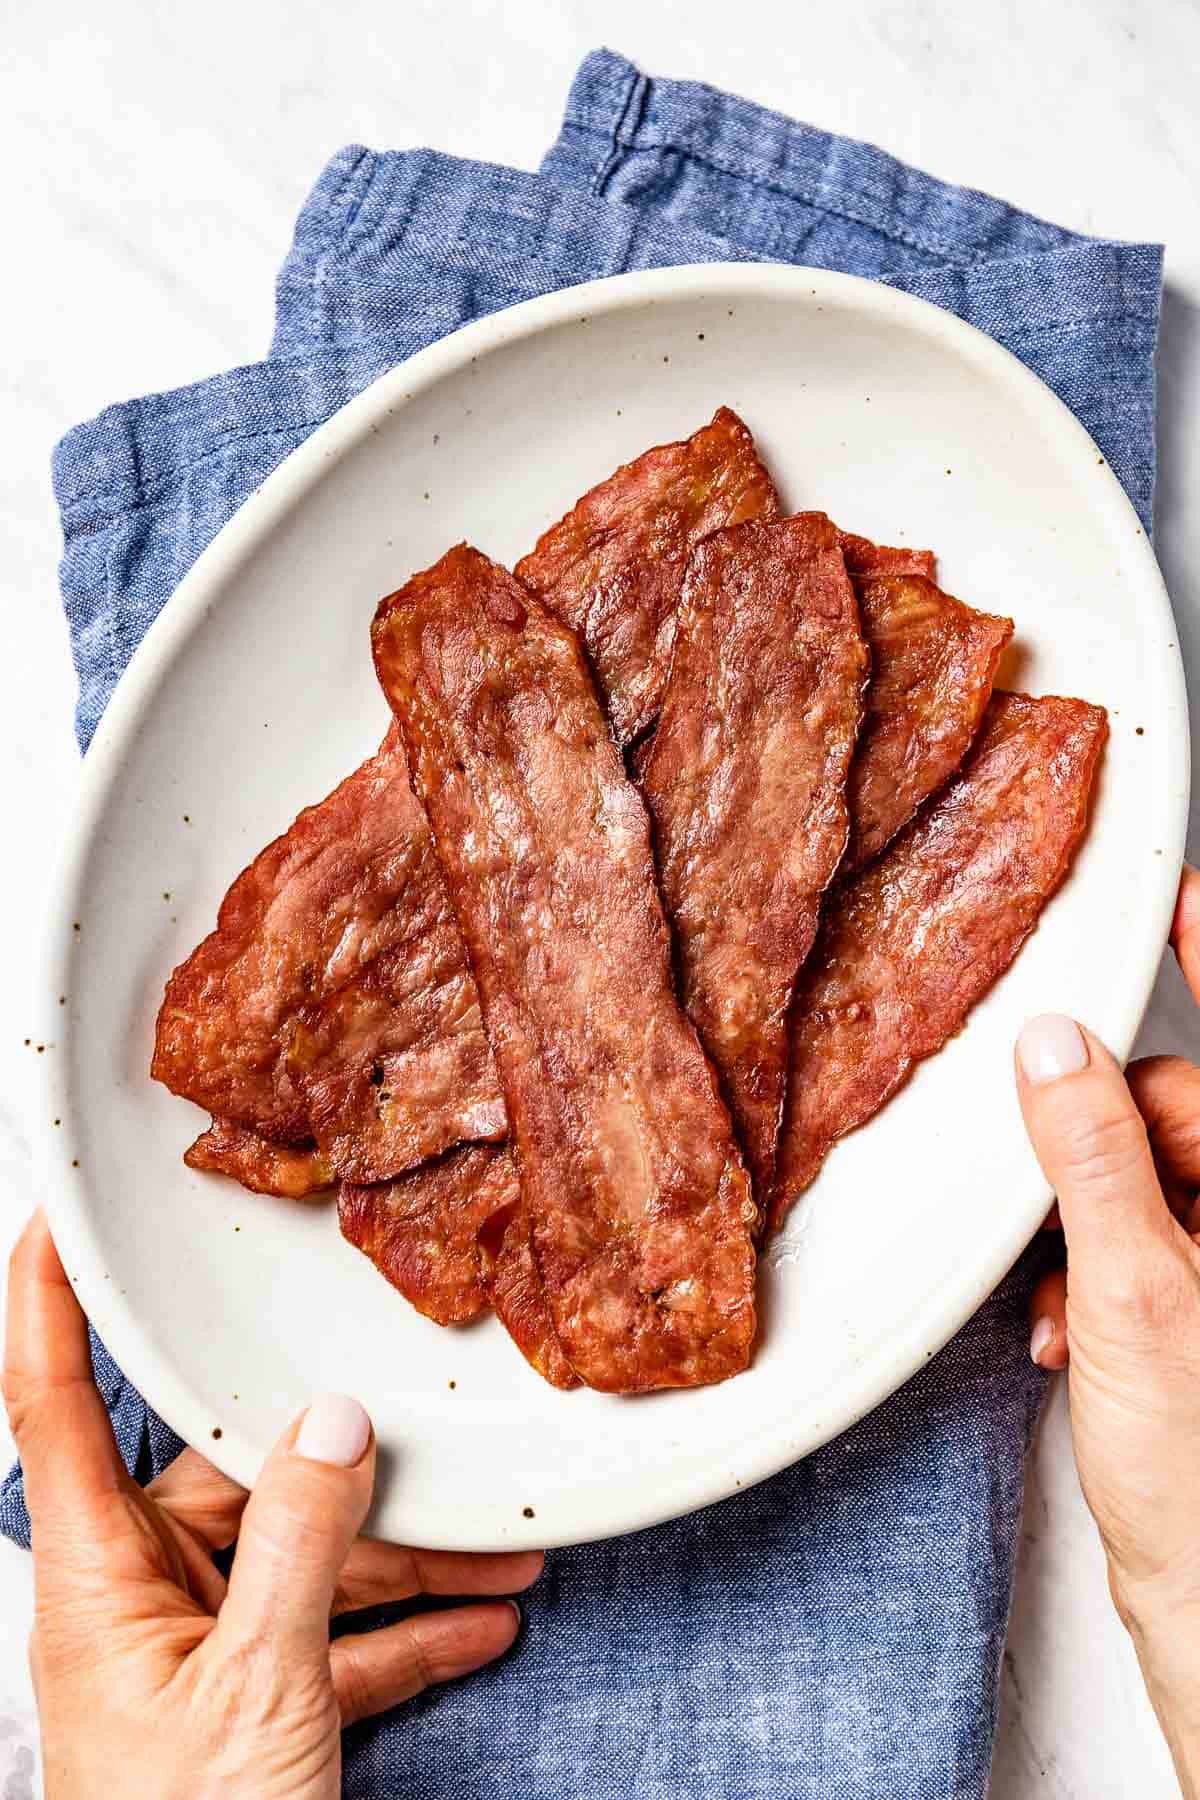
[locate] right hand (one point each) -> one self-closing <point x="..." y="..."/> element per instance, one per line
<point x="153" y="1676"/>
<point x="1132" y="1323"/>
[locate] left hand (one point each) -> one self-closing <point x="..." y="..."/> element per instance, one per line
<point x="153" y="1677"/>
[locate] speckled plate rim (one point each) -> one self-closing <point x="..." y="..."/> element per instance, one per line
<point x="911" y="1341"/>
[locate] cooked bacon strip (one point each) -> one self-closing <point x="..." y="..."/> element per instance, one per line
<point x="933" y="662"/>
<point x="907" y="948"/>
<point x="422" y="1231"/>
<point x="292" y="1172"/>
<point x="866" y="558"/>
<point x="336" y="975"/>
<point x="639" y="1206"/>
<point x="613" y="567"/>
<point x="395" y="1066"/>
<point x="746" y="787"/>
<point x="516" y="1292"/>
<point x="453" y="1238"/>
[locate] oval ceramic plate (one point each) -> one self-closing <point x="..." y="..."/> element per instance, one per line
<point x="254" y="694"/>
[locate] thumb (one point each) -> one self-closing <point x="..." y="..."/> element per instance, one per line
<point x="1092" y="1145"/>
<point x="304" y="1514"/>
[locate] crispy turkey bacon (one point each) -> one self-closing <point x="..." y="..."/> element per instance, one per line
<point x="933" y="661"/>
<point x="333" y="1003"/>
<point x="613" y="568"/>
<point x="423" y="1230"/>
<point x="908" y="947"/>
<point x="293" y="1171"/>
<point x="516" y="1292"/>
<point x="745" y="783"/>
<point x="638" y="1204"/>
<point x="332" y="1023"/>
<point x="866" y="558"/>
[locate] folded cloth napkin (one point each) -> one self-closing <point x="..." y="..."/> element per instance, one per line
<point x="835" y="1632"/>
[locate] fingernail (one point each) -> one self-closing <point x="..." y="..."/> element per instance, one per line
<point x="1051" y="1046"/>
<point x="517" y="1611"/>
<point x="1040" y="1338"/>
<point x="335" y="1429"/>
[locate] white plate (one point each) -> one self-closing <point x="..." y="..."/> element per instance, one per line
<point x="253" y="694"/>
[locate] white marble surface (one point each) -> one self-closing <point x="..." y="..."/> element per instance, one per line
<point x="156" y="159"/>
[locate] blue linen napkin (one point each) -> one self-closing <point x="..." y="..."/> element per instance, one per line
<point x="835" y="1632"/>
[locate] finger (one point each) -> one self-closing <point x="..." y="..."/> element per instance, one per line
<point x="306" y="1510"/>
<point x="1185" y="928"/>
<point x="1048" y="1321"/>
<point x="376" y="1572"/>
<point x="203" y="1500"/>
<point x="72" y="1466"/>
<point x="1092" y="1145"/>
<point x="373" y="1670"/>
<point x="1167" y="1092"/>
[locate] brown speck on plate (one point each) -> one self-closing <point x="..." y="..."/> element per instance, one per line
<point x="700" y="336"/>
<point x="527" y="1512"/>
<point x="28" y="1041"/>
<point x="187" y="818"/>
<point x="75" y="926"/>
<point x="216" y="1431"/>
<point x="58" y="1121"/>
<point x="74" y="1162"/>
<point x="452" y="1384"/>
<point x="40" y="1048"/>
<point x="1139" y="731"/>
<point x="166" y="894"/>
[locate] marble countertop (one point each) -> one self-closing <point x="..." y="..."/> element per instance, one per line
<point x="156" y="160"/>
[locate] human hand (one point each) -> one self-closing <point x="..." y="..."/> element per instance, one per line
<point x="1166" y="1091"/>
<point x="1124" y="1160"/>
<point x="155" y="1678"/>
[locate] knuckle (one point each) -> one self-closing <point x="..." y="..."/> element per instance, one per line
<point x="1164" y="1084"/>
<point x="20" y="1405"/>
<point x="1149" y="1072"/>
<point x="354" y="1685"/>
<point x="421" y="1657"/>
<point x="1100" y="1151"/>
<point x="295" y="1528"/>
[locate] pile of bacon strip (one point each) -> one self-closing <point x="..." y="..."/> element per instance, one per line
<point x="687" y="841"/>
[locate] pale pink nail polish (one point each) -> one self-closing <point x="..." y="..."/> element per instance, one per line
<point x="1050" y="1047"/>
<point x="1040" y="1339"/>
<point x="335" y="1429"/>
